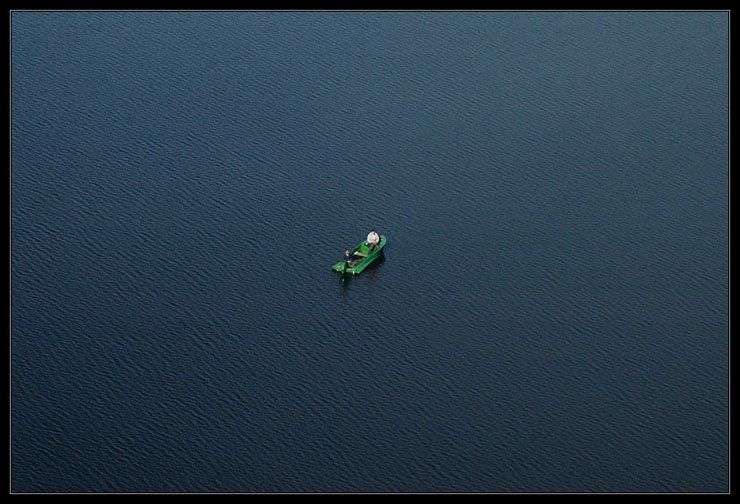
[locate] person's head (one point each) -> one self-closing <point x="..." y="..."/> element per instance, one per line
<point x="372" y="230"/>
<point x="346" y="251"/>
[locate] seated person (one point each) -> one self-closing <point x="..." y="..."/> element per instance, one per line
<point x="348" y="259"/>
<point x="373" y="239"/>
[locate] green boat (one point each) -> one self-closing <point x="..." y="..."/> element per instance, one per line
<point x="361" y="257"/>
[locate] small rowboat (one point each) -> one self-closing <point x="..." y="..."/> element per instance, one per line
<point x="361" y="257"/>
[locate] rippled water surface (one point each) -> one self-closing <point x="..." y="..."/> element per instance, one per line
<point x="551" y="313"/>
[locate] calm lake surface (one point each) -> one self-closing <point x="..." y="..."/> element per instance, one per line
<point x="551" y="313"/>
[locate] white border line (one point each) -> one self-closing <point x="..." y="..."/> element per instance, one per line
<point x="10" y="279"/>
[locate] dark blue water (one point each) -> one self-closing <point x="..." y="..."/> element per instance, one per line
<point x="551" y="313"/>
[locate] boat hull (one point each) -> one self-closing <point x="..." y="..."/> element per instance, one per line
<point x="341" y="266"/>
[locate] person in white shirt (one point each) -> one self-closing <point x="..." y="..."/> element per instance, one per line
<point x="373" y="239"/>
